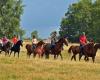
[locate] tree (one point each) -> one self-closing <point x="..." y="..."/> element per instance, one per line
<point x="10" y="13"/>
<point x="82" y="16"/>
<point x="35" y="33"/>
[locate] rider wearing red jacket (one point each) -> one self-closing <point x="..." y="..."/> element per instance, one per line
<point x="14" y="39"/>
<point x="83" y="41"/>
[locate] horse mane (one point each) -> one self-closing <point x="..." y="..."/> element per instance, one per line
<point x="40" y="43"/>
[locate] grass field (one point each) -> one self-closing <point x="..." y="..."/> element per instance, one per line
<point x="41" y="69"/>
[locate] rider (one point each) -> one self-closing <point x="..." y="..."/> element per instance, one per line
<point x="4" y="40"/>
<point x="83" y="41"/>
<point x="14" y="39"/>
<point x="34" y="41"/>
<point x="53" y="39"/>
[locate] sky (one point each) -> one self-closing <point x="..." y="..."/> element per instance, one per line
<point x="43" y="15"/>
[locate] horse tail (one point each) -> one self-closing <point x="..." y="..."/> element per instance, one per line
<point x="69" y="50"/>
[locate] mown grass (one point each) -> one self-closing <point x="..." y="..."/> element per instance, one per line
<point x="41" y="69"/>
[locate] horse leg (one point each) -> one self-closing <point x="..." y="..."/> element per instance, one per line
<point x="34" y="55"/>
<point x="10" y="54"/>
<point x="5" y="53"/>
<point x="47" y="54"/>
<point x="93" y="59"/>
<point x="86" y="59"/>
<point x="42" y="55"/>
<point x="74" y="57"/>
<point x="18" y="54"/>
<point x="54" y="56"/>
<point x="80" y="55"/>
<point x="28" y="55"/>
<point x="0" y="52"/>
<point x="61" y="56"/>
<point x="14" y="54"/>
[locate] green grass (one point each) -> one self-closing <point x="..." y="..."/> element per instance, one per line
<point x="41" y="69"/>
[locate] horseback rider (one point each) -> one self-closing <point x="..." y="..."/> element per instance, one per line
<point x="34" y="41"/>
<point x="14" y="39"/>
<point x="83" y="41"/>
<point x="54" y="39"/>
<point x="4" y="40"/>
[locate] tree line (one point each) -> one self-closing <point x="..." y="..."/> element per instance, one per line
<point x="10" y="17"/>
<point x="83" y="16"/>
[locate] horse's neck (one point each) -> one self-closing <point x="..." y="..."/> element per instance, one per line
<point x="59" y="45"/>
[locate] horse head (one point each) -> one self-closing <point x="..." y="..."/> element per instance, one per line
<point x="97" y="45"/>
<point x="63" y="40"/>
<point x="40" y="43"/>
<point x="20" y="42"/>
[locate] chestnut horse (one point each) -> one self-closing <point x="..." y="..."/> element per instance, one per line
<point x="56" y="51"/>
<point x="38" y="50"/>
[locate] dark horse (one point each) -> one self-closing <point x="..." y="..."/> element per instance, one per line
<point x="29" y="49"/>
<point x="56" y="51"/>
<point x="75" y="50"/>
<point x="16" y="47"/>
<point x="38" y="50"/>
<point x="6" y="48"/>
<point x="90" y="50"/>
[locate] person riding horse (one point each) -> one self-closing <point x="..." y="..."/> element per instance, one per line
<point x="54" y="39"/>
<point x="83" y="41"/>
<point x="14" y="39"/>
<point x="4" y="40"/>
<point x="34" y="42"/>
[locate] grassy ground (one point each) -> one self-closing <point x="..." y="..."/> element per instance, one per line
<point x="41" y="69"/>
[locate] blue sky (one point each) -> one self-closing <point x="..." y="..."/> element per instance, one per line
<point x="43" y="15"/>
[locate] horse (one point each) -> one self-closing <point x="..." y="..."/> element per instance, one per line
<point x="29" y="49"/>
<point x="38" y="50"/>
<point x="6" y="48"/>
<point x="75" y="50"/>
<point x="16" y="48"/>
<point x="56" y="51"/>
<point x="90" y="50"/>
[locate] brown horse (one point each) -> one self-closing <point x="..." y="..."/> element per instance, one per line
<point x="56" y="51"/>
<point x="29" y="49"/>
<point x="75" y="50"/>
<point x="38" y="50"/>
<point x="90" y="50"/>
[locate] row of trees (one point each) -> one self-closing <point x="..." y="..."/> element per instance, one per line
<point x="83" y="16"/>
<point x="10" y="17"/>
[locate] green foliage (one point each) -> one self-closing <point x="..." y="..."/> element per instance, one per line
<point x="82" y="17"/>
<point x="35" y="33"/>
<point x="10" y="13"/>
